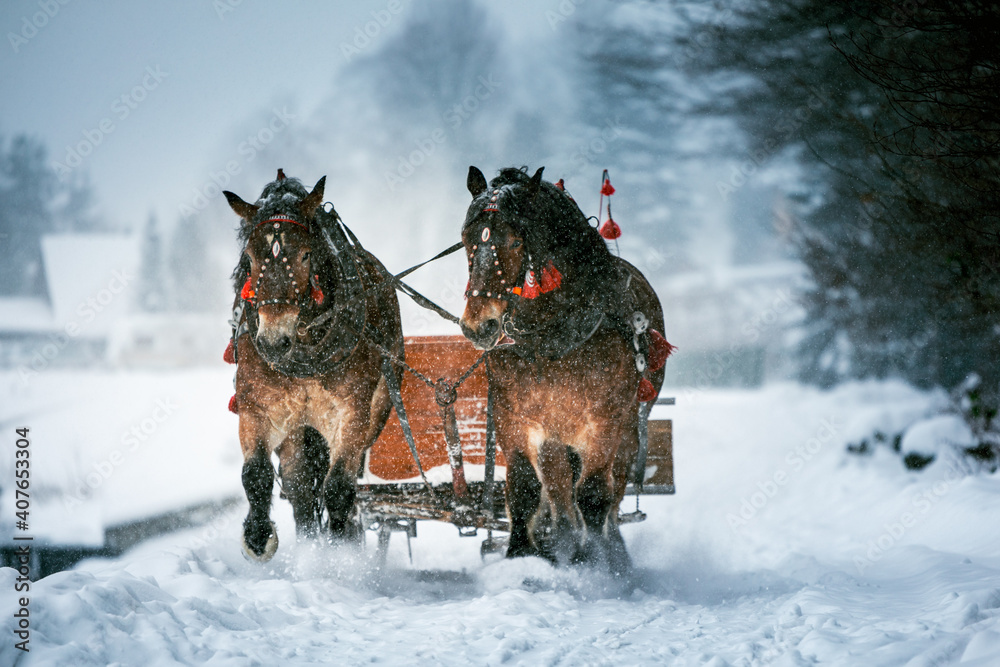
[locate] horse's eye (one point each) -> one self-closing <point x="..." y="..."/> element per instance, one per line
<point x="515" y="244"/>
<point x="305" y="257"/>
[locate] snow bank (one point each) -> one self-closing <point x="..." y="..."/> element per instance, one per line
<point x="779" y="548"/>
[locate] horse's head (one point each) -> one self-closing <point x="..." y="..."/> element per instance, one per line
<point x="533" y="256"/>
<point x="281" y="272"/>
<point x="494" y="240"/>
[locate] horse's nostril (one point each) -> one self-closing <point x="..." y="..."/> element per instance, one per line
<point x="284" y="344"/>
<point x="489" y="328"/>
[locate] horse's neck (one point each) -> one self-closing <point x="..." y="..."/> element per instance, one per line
<point x="575" y="317"/>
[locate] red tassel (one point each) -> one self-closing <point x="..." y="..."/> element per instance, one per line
<point x="247" y="292"/>
<point x="561" y="185"/>
<point x="229" y="356"/>
<point x="610" y="230"/>
<point x="659" y="350"/>
<point x="232" y="405"/>
<point x="551" y="279"/>
<point x="607" y="190"/>
<point x="530" y="289"/>
<point x="318" y="296"/>
<point x="646" y="392"/>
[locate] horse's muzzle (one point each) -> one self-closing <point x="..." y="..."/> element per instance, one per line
<point x="273" y="350"/>
<point x="485" y="336"/>
<point x="275" y="332"/>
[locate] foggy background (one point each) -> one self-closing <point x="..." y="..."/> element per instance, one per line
<point x="792" y="200"/>
<point x="130" y="120"/>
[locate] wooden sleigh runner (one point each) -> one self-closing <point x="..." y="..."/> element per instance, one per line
<point x="468" y="490"/>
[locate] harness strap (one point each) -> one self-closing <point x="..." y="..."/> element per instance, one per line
<point x="417" y="297"/>
<point x="396" y="396"/>
<point x="491" y="446"/>
<point x="443" y="253"/>
<point x="640" y="457"/>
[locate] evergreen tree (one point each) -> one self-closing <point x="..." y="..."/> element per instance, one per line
<point x="33" y="202"/>
<point x="891" y="113"/>
<point x="152" y="295"/>
<point x="189" y="266"/>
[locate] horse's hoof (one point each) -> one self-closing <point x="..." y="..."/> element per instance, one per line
<point x="269" y="549"/>
<point x="520" y="551"/>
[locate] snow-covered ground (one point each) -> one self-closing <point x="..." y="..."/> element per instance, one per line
<point x="779" y="548"/>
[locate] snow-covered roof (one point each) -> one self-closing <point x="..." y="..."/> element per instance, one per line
<point x="91" y="278"/>
<point x="26" y="315"/>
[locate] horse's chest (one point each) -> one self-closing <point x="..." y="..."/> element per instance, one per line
<point x="307" y="403"/>
<point x="564" y="402"/>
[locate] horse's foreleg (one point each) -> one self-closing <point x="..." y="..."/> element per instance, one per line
<point x="304" y="462"/>
<point x="557" y="477"/>
<point x="595" y="496"/>
<point x="347" y="446"/>
<point x="339" y="493"/>
<point x="524" y="492"/>
<point x="260" y="539"/>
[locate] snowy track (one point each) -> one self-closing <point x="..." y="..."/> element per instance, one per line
<point x="817" y="573"/>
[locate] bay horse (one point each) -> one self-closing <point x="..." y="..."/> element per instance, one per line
<point x="569" y="327"/>
<point x="309" y="381"/>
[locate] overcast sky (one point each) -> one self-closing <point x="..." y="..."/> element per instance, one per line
<point x="155" y="90"/>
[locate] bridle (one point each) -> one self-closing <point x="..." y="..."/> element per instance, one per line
<point x="527" y="285"/>
<point x="334" y="331"/>
<point x="249" y="293"/>
<point x="506" y="291"/>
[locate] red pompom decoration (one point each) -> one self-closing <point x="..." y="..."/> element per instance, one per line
<point x="232" y="405"/>
<point x="659" y="350"/>
<point x="610" y="230"/>
<point x="247" y="292"/>
<point x="646" y="392"/>
<point x="318" y="296"/>
<point x="551" y="279"/>
<point x="561" y="185"/>
<point x="229" y="356"/>
<point x="607" y="190"/>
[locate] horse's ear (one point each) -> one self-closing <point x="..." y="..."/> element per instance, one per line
<point x="309" y="203"/>
<point x="536" y="183"/>
<point x="476" y="182"/>
<point x="243" y="209"/>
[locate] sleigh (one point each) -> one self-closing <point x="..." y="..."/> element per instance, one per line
<point x="394" y="493"/>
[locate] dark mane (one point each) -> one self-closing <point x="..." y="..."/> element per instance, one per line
<point x="280" y="197"/>
<point x="552" y="225"/>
